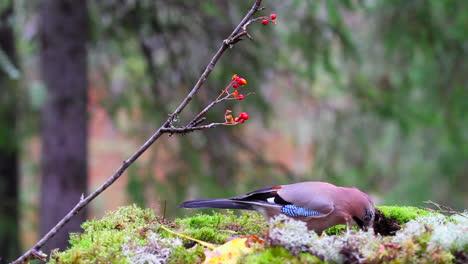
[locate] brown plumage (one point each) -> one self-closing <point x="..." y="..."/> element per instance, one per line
<point x="321" y="205"/>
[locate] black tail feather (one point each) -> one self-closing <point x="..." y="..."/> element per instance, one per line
<point x="216" y="203"/>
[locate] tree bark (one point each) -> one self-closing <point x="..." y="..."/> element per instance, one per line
<point x="9" y="231"/>
<point x="63" y="61"/>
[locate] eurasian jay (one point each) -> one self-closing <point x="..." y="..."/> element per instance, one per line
<point x="321" y="205"/>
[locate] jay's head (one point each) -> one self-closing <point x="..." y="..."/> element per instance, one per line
<point x="362" y="209"/>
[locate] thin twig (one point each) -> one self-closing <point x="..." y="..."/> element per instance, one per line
<point x="198" y="118"/>
<point x="163" y="129"/>
<point x="164" y="214"/>
<point x="199" y="121"/>
<point x="226" y="44"/>
<point x="445" y="209"/>
<point x="203" y="243"/>
<point x="187" y="129"/>
<point x="195" y="120"/>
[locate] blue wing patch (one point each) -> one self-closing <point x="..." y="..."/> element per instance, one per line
<point x="293" y="210"/>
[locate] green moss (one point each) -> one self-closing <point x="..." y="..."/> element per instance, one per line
<point x="335" y="230"/>
<point x="423" y="239"/>
<point x="279" y="255"/>
<point x="208" y="234"/>
<point x="102" y="240"/>
<point x="181" y="255"/>
<point x="338" y="230"/>
<point x="217" y="228"/>
<point x="404" y="214"/>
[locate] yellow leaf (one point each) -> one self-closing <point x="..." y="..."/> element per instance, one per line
<point x="230" y="252"/>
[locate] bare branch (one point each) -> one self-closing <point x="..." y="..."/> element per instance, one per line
<point x="197" y="118"/>
<point x="163" y="129"/>
<point x="209" y="68"/>
<point x="445" y="209"/>
<point x="187" y="129"/>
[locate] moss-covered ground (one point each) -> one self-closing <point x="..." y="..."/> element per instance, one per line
<point x="134" y="235"/>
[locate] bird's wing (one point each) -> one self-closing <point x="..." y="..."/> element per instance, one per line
<point x="268" y="195"/>
<point x="267" y="191"/>
<point x="303" y="199"/>
<point x="313" y="196"/>
<point x="307" y="199"/>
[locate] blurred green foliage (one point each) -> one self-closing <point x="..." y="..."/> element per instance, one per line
<point x="378" y="91"/>
<point x="411" y="87"/>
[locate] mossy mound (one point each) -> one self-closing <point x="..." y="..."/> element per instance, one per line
<point x="134" y="235"/>
<point x="404" y="214"/>
<point x="102" y="240"/>
<point x="117" y="237"/>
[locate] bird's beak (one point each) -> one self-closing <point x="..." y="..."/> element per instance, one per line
<point x="360" y="223"/>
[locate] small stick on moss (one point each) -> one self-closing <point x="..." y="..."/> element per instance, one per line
<point x="203" y="243"/>
<point x="164" y="213"/>
<point x="445" y="209"/>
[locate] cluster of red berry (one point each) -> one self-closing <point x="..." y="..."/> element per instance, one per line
<point x="236" y="82"/>
<point x="266" y="20"/>
<point x="242" y="117"/>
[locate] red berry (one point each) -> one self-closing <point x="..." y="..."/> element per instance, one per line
<point x="244" y="116"/>
<point x="241" y="120"/>
<point x="242" y="81"/>
<point x="264" y="21"/>
<point x="235" y="85"/>
<point x="240" y="96"/>
<point x="273" y="16"/>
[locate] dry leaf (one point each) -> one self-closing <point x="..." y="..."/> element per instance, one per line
<point x="231" y="251"/>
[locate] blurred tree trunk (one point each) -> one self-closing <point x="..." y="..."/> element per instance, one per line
<point x="63" y="63"/>
<point x="9" y="235"/>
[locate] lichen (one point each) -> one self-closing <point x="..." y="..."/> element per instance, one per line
<point x="291" y="234"/>
<point x="294" y="236"/>
<point x="431" y="238"/>
<point x="157" y="250"/>
<point x="446" y="233"/>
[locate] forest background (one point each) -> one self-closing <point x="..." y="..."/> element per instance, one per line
<point x="371" y="94"/>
